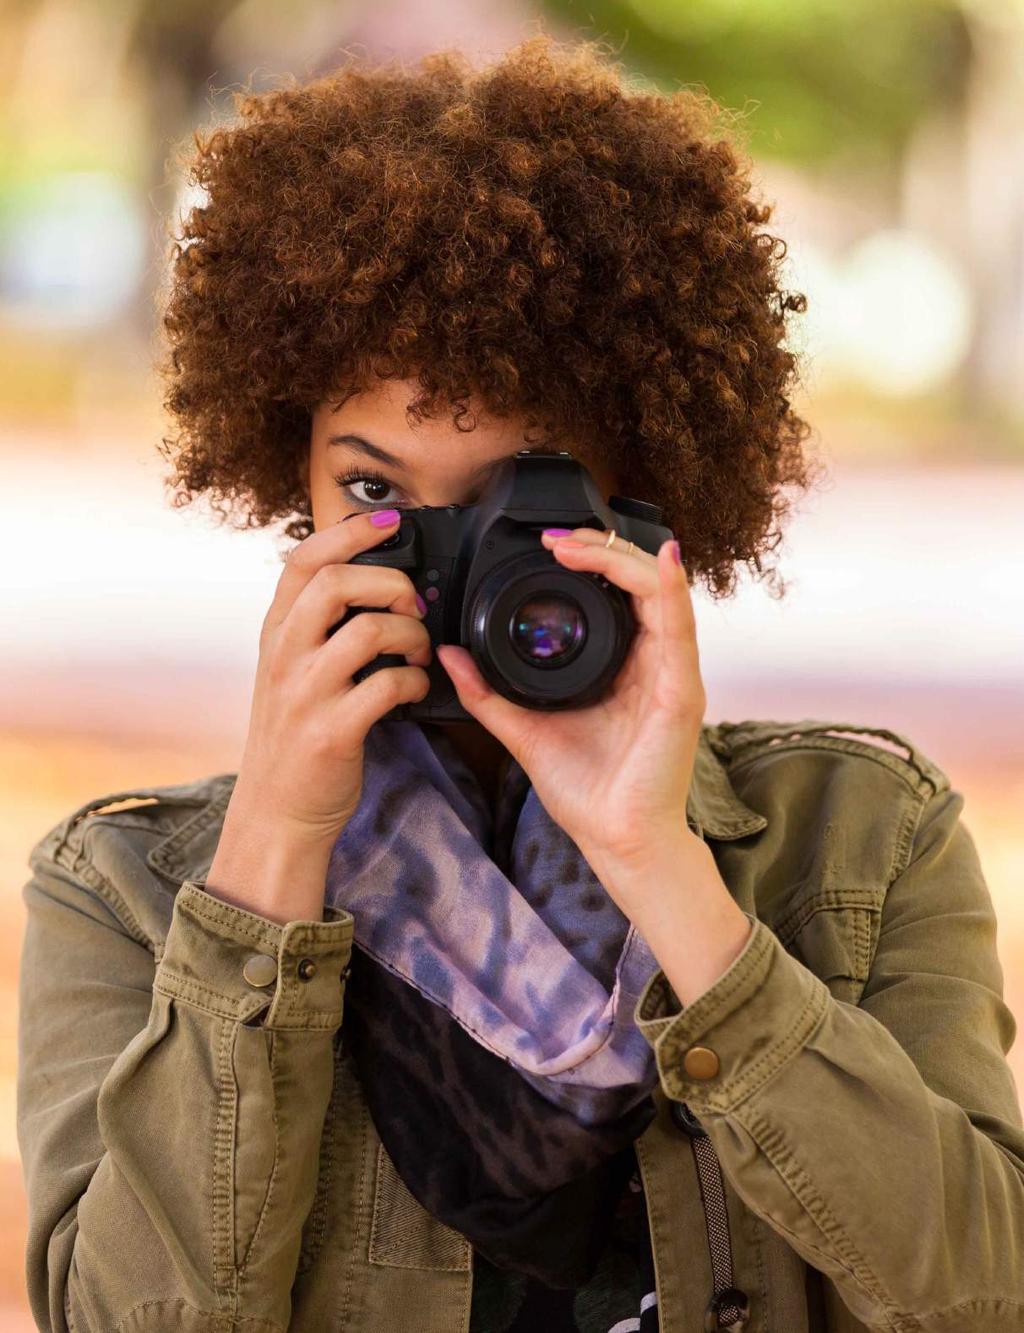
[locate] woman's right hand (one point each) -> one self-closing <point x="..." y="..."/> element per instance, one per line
<point x="301" y="775"/>
<point x="303" y="761"/>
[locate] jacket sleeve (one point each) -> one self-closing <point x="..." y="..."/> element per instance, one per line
<point x="883" y="1140"/>
<point x="169" y="1110"/>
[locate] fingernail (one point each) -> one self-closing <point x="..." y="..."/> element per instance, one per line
<point x="675" y="553"/>
<point x="421" y="605"/>
<point x="383" y="518"/>
<point x="556" y="532"/>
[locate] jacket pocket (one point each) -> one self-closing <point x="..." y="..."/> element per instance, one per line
<point x="835" y="936"/>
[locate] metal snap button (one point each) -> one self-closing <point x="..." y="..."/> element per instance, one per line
<point x="260" y="970"/>
<point x="701" y="1062"/>
<point x="306" y="969"/>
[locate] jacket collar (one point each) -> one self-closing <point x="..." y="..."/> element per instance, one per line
<point x="712" y="808"/>
<point x="712" y="802"/>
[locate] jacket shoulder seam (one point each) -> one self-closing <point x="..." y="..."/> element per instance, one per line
<point x="72" y="828"/>
<point x="920" y="774"/>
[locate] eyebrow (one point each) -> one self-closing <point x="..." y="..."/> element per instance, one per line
<point x="392" y="460"/>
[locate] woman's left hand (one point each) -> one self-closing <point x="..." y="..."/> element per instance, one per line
<point x="614" y="775"/>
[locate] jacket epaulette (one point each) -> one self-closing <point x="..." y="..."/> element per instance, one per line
<point x="736" y="741"/>
<point x="72" y="826"/>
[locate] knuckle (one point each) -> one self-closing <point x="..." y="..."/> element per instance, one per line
<point x="366" y="629"/>
<point x="277" y="664"/>
<point x="389" y="684"/>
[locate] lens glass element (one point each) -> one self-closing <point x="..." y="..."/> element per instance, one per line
<point x="547" y="628"/>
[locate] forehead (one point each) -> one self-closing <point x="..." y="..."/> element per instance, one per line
<point x="378" y="415"/>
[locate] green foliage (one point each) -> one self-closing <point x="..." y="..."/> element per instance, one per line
<point x="812" y="80"/>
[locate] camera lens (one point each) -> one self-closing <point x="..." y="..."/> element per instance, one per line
<point x="548" y="627"/>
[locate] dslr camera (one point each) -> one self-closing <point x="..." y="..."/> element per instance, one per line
<point x="542" y="635"/>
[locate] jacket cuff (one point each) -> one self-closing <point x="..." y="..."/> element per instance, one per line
<point x="235" y="963"/>
<point x="731" y="1040"/>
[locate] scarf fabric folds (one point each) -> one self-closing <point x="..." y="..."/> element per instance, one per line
<point x="489" y="1008"/>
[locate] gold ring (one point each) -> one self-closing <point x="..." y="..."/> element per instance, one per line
<point x="612" y="535"/>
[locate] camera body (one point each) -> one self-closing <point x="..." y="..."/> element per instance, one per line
<point x="542" y="635"/>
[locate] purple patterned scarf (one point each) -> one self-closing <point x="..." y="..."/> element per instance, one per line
<point x="490" y="1006"/>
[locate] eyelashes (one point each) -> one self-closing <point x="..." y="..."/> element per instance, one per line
<point x="353" y="478"/>
<point x="349" y="479"/>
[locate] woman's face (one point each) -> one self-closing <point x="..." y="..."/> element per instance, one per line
<point x="427" y="463"/>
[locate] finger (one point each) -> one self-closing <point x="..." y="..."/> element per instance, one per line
<point x="679" y="651"/>
<point x="595" y="537"/>
<point x="333" y="589"/>
<point x="501" y="717"/>
<point x="337" y="543"/>
<point x="365" y="637"/>
<point x="625" y="568"/>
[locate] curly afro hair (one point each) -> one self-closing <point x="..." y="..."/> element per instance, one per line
<point x="536" y="233"/>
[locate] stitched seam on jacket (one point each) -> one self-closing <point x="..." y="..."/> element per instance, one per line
<point x="318" y="1213"/>
<point x="219" y="918"/>
<point x="779" y="1055"/>
<point x="773" y="1145"/>
<point x="177" y="987"/>
<point x="902" y="768"/>
<point x="903" y="849"/>
<point x="171" y="983"/>
<point x="72" y="1326"/>
<point x="222" y="1193"/>
<point x="277" y="1158"/>
<point x="362" y="1116"/>
<point x="206" y="815"/>
<point x="757" y="949"/>
<point x="972" y="1303"/>
<point x="303" y="934"/>
<point x="828" y="900"/>
<point x="224" y="1323"/>
<point x="78" y="863"/>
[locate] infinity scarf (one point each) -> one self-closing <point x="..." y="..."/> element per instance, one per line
<point x="489" y="1009"/>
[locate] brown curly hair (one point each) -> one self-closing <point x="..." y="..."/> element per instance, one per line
<point x="537" y="233"/>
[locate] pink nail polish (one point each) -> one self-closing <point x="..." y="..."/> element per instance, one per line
<point x="383" y="518"/>
<point x="421" y="605"/>
<point x="557" y="532"/>
<point x="675" y="553"/>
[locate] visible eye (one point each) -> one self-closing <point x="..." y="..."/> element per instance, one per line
<point x="376" y="479"/>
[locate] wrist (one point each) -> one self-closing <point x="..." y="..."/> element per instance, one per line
<point x="270" y="867"/>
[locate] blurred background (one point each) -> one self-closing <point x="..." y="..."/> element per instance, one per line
<point x="889" y="137"/>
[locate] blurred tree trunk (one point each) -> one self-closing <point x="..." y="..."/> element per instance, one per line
<point x="993" y="184"/>
<point x="172" y="49"/>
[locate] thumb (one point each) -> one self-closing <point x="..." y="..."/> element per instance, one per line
<point x="500" y="716"/>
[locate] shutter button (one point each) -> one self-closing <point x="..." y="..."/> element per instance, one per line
<point x="260" y="970"/>
<point x="701" y="1062"/>
<point x="306" y="969"/>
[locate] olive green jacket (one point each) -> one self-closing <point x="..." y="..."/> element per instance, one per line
<point x="838" y="1142"/>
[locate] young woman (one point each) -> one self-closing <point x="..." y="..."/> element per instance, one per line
<point x="605" y="1018"/>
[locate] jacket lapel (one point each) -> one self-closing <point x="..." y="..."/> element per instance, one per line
<point x="712" y="804"/>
